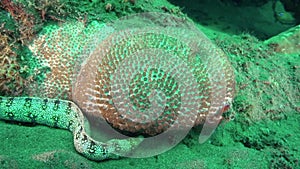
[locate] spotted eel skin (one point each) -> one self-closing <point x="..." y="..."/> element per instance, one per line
<point x="65" y="115"/>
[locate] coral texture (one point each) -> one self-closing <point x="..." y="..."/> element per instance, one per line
<point x="26" y="21"/>
<point x="11" y="83"/>
<point x="59" y="49"/>
<point x="208" y="89"/>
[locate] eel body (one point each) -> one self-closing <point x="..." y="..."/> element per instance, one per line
<point x="65" y="115"/>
